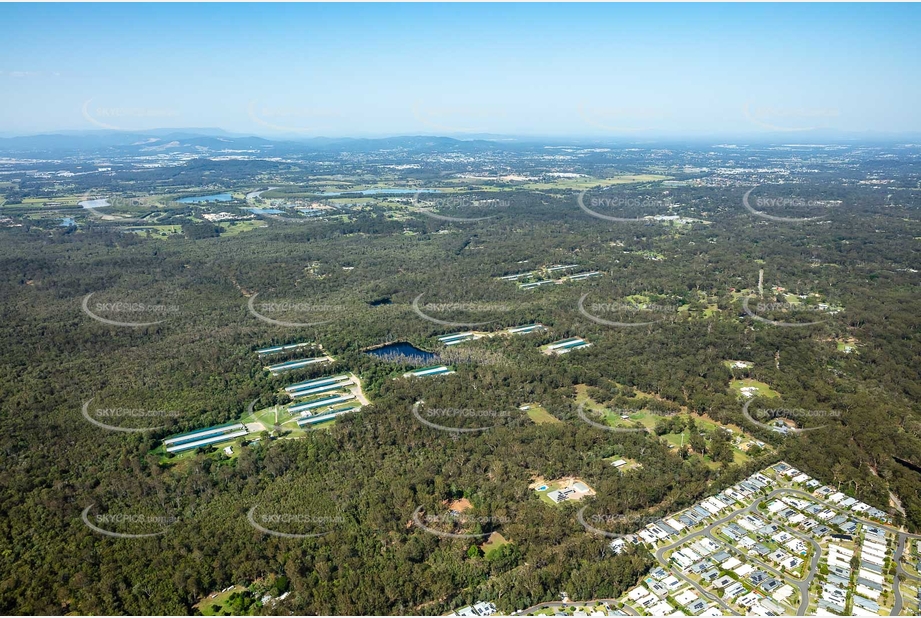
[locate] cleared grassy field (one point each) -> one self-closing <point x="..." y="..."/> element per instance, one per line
<point x="65" y="200"/>
<point x="495" y="541"/>
<point x="764" y="390"/>
<point x="540" y="416"/>
<point x="218" y="599"/>
<point x="677" y="439"/>
<point x="580" y="184"/>
<point x="639" y="299"/>
<point x="646" y="419"/>
<point x="351" y="200"/>
<point x="631" y="464"/>
<point x="267" y="417"/>
<point x="711" y="310"/>
<point x="324" y="425"/>
<point x="157" y="231"/>
<point x="278" y="415"/>
<point x="232" y="228"/>
<point x="848" y="347"/>
<point x="642" y="398"/>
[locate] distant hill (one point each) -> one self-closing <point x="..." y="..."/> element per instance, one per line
<point x="212" y="140"/>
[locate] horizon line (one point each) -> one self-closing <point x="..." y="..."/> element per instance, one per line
<point x="779" y="136"/>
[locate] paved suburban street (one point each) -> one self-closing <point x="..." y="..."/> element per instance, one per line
<point x="900" y="572"/>
<point x="803" y="584"/>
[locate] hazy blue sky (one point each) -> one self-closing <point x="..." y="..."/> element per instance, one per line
<point x="350" y="69"/>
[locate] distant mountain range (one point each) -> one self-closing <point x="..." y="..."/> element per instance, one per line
<point x="209" y="141"/>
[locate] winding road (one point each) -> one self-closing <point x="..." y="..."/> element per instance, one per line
<point x="900" y="572"/>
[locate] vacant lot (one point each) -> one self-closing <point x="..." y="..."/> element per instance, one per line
<point x="539" y="415"/>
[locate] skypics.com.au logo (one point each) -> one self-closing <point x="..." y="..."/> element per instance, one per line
<point x="325" y="313"/>
<point x="580" y="411"/>
<point x="104" y="312"/>
<point x="789" y="119"/>
<point x="268" y="523"/>
<point x="782" y="414"/>
<point x="618" y="120"/>
<point x="776" y="306"/>
<point x="126" y="118"/>
<point x="458" y="117"/>
<point x="465" y="307"/>
<point x="109" y="523"/>
<point x="621" y="203"/>
<point x="618" y="520"/>
<point x="287" y="118"/>
<point x="779" y="202"/>
<point x="432" y="206"/>
<point x="455" y="521"/>
<point x="423" y="415"/>
<point x="619" y="308"/>
<point x="130" y="413"/>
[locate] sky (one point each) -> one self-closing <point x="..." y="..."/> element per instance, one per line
<point x="462" y="69"/>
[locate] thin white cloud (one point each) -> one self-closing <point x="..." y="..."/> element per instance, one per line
<point x="23" y="74"/>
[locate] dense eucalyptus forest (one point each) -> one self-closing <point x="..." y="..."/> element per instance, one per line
<point x="373" y="469"/>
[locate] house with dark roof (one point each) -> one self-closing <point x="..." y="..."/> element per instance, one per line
<point x="666" y="528"/>
<point x="700" y="567"/>
<point x="867" y="604"/>
<point x="721" y="556"/>
<point x="771" y="585"/>
<point x="872" y="585"/>
<point x="659" y="573"/>
<point x="757" y="577"/>
<point x="696" y="607"/>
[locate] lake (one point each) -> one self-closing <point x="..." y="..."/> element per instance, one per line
<point x="97" y="203"/>
<point x="68" y="222"/>
<point x="378" y="192"/>
<point x="403" y="350"/>
<point x="265" y="211"/>
<point x="201" y="199"/>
